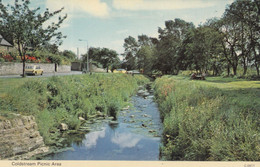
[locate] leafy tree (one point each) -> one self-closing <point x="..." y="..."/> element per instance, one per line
<point x="56" y="59"/>
<point x="229" y="29"/>
<point x="131" y="48"/>
<point x="26" y="26"/>
<point x="203" y="49"/>
<point x="51" y="48"/>
<point x="145" y="53"/>
<point x="69" y="54"/>
<point x="169" y="46"/>
<point x="246" y="14"/>
<point x="106" y="57"/>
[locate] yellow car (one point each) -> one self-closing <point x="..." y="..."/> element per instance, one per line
<point x="119" y="71"/>
<point x="33" y="70"/>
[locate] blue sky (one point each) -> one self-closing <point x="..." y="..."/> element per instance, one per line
<point x="106" y="23"/>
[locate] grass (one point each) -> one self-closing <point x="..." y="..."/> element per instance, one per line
<point x="64" y="99"/>
<point x="216" y="119"/>
<point x="6" y="85"/>
<point x="224" y="83"/>
<point x="9" y="83"/>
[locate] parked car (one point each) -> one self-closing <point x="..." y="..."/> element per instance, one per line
<point x="33" y="70"/>
<point x="133" y="72"/>
<point x="119" y="71"/>
<point x="136" y="72"/>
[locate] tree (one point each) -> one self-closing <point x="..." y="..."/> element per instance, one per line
<point x="168" y="48"/>
<point x="26" y="26"/>
<point x="106" y="57"/>
<point x="246" y="14"/>
<point x="56" y="59"/>
<point x="146" y="60"/>
<point x="145" y="53"/>
<point x="69" y="55"/>
<point x="203" y="46"/>
<point x="131" y="48"/>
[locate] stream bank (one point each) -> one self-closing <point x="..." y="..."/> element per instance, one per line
<point x="134" y="135"/>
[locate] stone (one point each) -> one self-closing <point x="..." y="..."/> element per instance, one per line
<point x="81" y="119"/>
<point x="151" y="131"/>
<point x="141" y="92"/>
<point x="63" y="127"/>
<point x="110" y="117"/>
<point x="150" y="97"/>
<point x="126" y="108"/>
<point x="100" y="114"/>
<point x="143" y="125"/>
<point x="20" y="139"/>
<point x="145" y="115"/>
<point x="132" y="116"/>
<point x="146" y="94"/>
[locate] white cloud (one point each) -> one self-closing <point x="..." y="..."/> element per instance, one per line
<point x="160" y="4"/>
<point x="93" y="7"/>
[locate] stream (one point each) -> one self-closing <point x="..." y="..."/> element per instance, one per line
<point x="135" y="135"/>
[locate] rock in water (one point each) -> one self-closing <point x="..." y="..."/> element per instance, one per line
<point x="64" y="127"/>
<point x="141" y="92"/>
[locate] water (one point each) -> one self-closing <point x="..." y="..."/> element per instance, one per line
<point x="135" y="137"/>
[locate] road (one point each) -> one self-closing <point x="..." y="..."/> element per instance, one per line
<point x="44" y="74"/>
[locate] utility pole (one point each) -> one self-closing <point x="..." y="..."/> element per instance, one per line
<point x="87" y="54"/>
<point x="78" y="53"/>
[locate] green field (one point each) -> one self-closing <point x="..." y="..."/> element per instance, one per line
<point x="216" y="119"/>
<point x="226" y="83"/>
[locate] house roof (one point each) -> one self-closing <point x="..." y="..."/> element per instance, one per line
<point x="3" y="42"/>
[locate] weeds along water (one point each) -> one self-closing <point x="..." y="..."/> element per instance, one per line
<point x="216" y="119"/>
<point x="208" y="120"/>
<point x="64" y="99"/>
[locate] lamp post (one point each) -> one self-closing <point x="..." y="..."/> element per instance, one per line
<point x="87" y="54"/>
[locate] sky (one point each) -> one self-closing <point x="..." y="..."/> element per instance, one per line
<point x="106" y="23"/>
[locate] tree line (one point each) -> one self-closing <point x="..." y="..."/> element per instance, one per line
<point x="219" y="45"/>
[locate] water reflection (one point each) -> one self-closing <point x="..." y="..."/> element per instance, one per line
<point x="92" y="138"/>
<point x="125" y="140"/>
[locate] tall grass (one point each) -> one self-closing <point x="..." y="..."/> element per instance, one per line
<point x="203" y="122"/>
<point x="64" y="99"/>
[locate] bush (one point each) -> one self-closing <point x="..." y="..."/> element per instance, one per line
<point x="2" y="60"/>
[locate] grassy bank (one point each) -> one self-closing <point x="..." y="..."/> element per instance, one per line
<point x="64" y="99"/>
<point x="216" y="119"/>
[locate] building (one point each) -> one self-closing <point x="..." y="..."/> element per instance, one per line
<point x="4" y="45"/>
